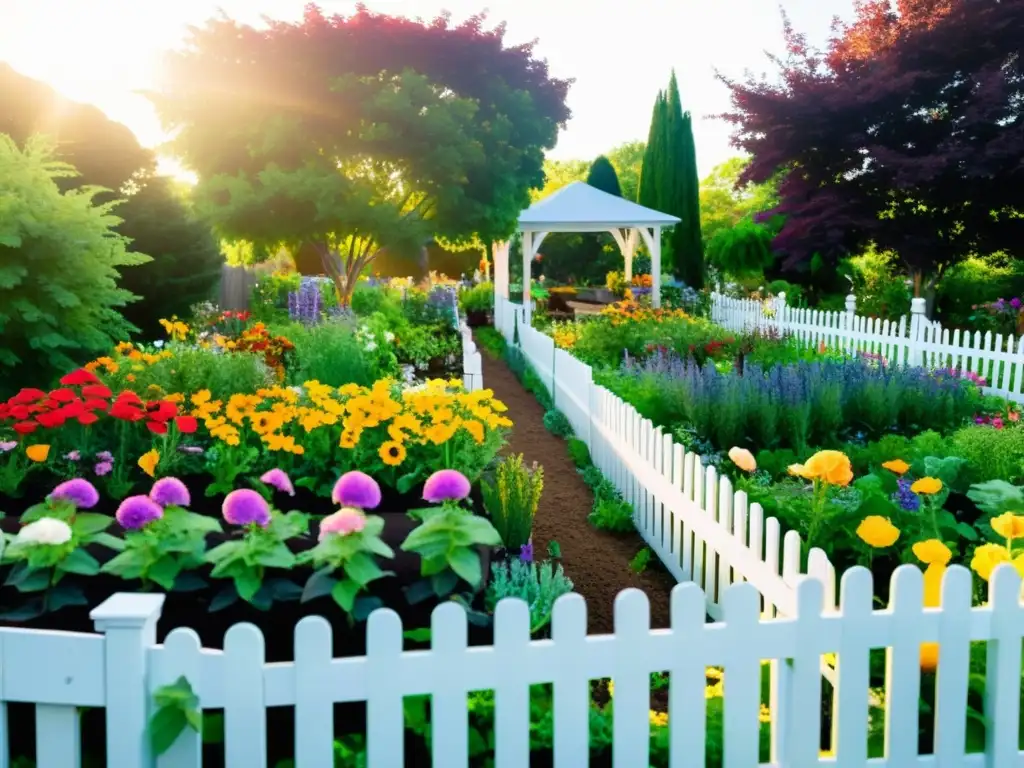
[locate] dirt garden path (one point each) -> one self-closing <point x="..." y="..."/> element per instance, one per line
<point x="595" y="560"/>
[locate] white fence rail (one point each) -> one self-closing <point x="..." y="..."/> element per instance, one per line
<point x="912" y="340"/>
<point x="121" y="669"/>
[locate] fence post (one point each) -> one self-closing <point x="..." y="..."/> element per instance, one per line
<point x="851" y="323"/>
<point x="128" y="622"/>
<point x="780" y="313"/>
<point x="917" y="330"/>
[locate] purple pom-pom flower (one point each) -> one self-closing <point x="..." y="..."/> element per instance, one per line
<point x="356" y="489"/>
<point x="246" y="507"/>
<point x="78" y="491"/>
<point x="137" y="511"/>
<point x="278" y="478"/>
<point x="170" y="491"/>
<point x="446" y="485"/>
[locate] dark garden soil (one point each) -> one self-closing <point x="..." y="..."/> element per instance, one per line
<point x="595" y="560"/>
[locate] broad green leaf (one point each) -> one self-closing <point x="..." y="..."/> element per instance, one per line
<point x="87" y="524"/>
<point x="166" y="725"/>
<point x="320" y="583"/>
<point x="466" y="563"/>
<point x="362" y="569"/>
<point x="164" y="571"/>
<point x="80" y="561"/>
<point x="278" y="556"/>
<point x="127" y="564"/>
<point x="247" y="582"/>
<point x="344" y="594"/>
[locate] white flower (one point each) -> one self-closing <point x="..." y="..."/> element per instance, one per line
<point x="371" y="345"/>
<point x="158" y="344"/>
<point x="389" y="336"/>
<point x="46" y="530"/>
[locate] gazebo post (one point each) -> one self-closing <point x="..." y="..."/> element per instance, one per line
<point x="500" y="258"/>
<point x="527" y="258"/>
<point x="630" y="251"/>
<point x="655" y="246"/>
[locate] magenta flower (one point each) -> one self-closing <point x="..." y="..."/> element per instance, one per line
<point x="78" y="491"/>
<point x="105" y="456"/>
<point x="278" y="478"/>
<point x="356" y="489"/>
<point x="246" y="507"/>
<point x="72" y="455"/>
<point x="343" y="522"/>
<point x="137" y="511"/>
<point x="103" y="468"/>
<point x="446" y="485"/>
<point x="170" y="492"/>
<point x="9" y="445"/>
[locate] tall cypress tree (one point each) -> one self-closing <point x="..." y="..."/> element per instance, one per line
<point x="602" y="176"/>
<point x="649" y="189"/>
<point x="687" y="243"/>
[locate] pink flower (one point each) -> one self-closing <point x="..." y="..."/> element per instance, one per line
<point x="343" y="522"/>
<point x="9" y="445"/>
<point x="246" y="507"/>
<point x="103" y="468"/>
<point x="997" y="423"/>
<point x="72" y="456"/>
<point x="170" y="492"/>
<point x="278" y="478"/>
<point x="446" y="485"/>
<point x="356" y="489"/>
<point x="78" y="491"/>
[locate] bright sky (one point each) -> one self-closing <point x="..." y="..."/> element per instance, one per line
<point x="102" y="51"/>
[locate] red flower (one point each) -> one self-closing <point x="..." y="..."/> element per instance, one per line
<point x="130" y="397"/>
<point x="186" y="424"/>
<point x="63" y="395"/>
<point x="72" y="410"/>
<point x="25" y="427"/>
<point x="126" y="411"/>
<point x="79" y="377"/>
<point x="19" y="412"/>
<point x="157" y="427"/>
<point x="96" y="405"/>
<point x="50" y="420"/>
<point x="97" y="391"/>
<point x="27" y="395"/>
<point x="161" y="410"/>
<point x="88" y="418"/>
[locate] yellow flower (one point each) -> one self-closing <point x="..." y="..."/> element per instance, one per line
<point x="439" y="433"/>
<point x="174" y="397"/>
<point x="896" y="465"/>
<point x="148" y="461"/>
<point x="349" y="439"/>
<point x="392" y="453"/>
<point x="929" y="656"/>
<point x="798" y="470"/>
<point x="765" y="715"/>
<point x="38" y="452"/>
<point x="659" y="719"/>
<point x="1008" y="525"/>
<point x="926" y="485"/>
<point x="878" y="532"/>
<point x="987" y="557"/>
<point x="743" y="459"/>
<point x="933" y="585"/>
<point x="832" y="467"/>
<point x="475" y="430"/>
<point x="201" y="397"/>
<point x="932" y="552"/>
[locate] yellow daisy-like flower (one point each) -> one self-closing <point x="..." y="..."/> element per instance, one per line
<point x="392" y="453"/>
<point x="932" y="552"/>
<point x="148" y="462"/>
<point x="878" y="532"/>
<point x="1009" y="525"/>
<point x="201" y="397"/>
<point x="987" y="557"/>
<point x="475" y="430"/>
<point x="659" y="719"/>
<point x="926" y="486"/>
<point x="349" y="439"/>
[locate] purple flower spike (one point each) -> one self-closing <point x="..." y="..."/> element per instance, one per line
<point x="278" y="478"/>
<point x="446" y="485"/>
<point x="526" y="552"/>
<point x="78" y="491"/>
<point x="170" y="492"/>
<point x="356" y="489"/>
<point x="246" y="507"/>
<point x="137" y="511"/>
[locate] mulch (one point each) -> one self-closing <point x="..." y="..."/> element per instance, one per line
<point x="595" y="560"/>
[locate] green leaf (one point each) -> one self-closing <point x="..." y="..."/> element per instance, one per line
<point x="278" y="556"/>
<point x="320" y="583"/>
<point x="377" y="546"/>
<point x="362" y="569"/>
<point x="444" y="582"/>
<point x="81" y="562"/>
<point x="421" y="635"/>
<point x="466" y="563"/>
<point x="88" y="524"/>
<point x="226" y="597"/>
<point x="63" y="595"/>
<point x="482" y="531"/>
<point x="284" y="590"/>
<point x="406" y="482"/>
<point x="164" y="571"/>
<point x="365" y="605"/>
<point x="344" y="594"/>
<point x="229" y="550"/>
<point x="166" y="725"/>
<point x="108" y="541"/>
<point x="247" y="582"/>
<point x="128" y="564"/>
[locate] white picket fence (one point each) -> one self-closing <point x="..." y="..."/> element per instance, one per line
<point x="912" y="340"/>
<point x="689" y="516"/>
<point x="121" y="668"/>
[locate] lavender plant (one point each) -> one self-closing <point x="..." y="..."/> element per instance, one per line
<point x="304" y="305"/>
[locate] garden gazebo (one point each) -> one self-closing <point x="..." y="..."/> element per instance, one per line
<point x="579" y="207"/>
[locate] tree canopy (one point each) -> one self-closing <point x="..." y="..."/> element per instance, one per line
<point x="602" y="176"/>
<point x="60" y="262"/>
<point x="360" y="133"/>
<point x="900" y="134"/>
<point x="725" y="202"/>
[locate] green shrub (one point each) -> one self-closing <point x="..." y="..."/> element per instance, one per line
<point x="512" y="499"/>
<point x="991" y="454"/>
<point x="193" y="369"/>
<point x="974" y="282"/>
<point x="491" y="342"/>
<point x="537" y="584"/>
<point x="556" y="423"/>
<point x="615" y="515"/>
<point x="330" y="354"/>
<point x="592" y="477"/>
<point x="479" y="298"/>
<point x="579" y="453"/>
<point x="60" y="262"/>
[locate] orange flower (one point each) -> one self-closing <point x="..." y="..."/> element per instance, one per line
<point x="38" y="452"/>
<point x="832" y="467"/>
<point x="898" y="466"/>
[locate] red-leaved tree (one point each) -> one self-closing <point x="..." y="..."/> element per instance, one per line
<point x="907" y="132"/>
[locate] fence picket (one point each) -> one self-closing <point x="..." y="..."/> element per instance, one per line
<point x="245" y="721"/>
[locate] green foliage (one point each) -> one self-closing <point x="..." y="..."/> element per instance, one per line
<point x="538" y="585"/>
<point x="447" y="545"/>
<point x="186" y="257"/>
<point x="724" y="203"/>
<point x="557" y="424"/>
<point x="479" y="298"/>
<point x="579" y="453"/>
<point x="742" y="251"/>
<point x="328" y="353"/>
<point x="878" y="282"/>
<point x="991" y="454"/>
<point x="60" y="260"/>
<point x="491" y="342"/>
<point x="650" y="192"/>
<point x="612" y="514"/>
<point x="602" y="176"/>
<point x="512" y="499"/>
<point x="177" y="708"/>
<point x="976" y="281"/>
<point x="640" y="561"/>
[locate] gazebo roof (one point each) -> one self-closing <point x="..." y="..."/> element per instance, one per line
<point x="579" y="207"/>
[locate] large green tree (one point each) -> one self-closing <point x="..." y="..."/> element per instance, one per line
<point x="602" y="176"/>
<point x="650" y="188"/>
<point x="60" y="263"/>
<point x="353" y="134"/>
<point x="627" y="159"/>
<point x="725" y="201"/>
